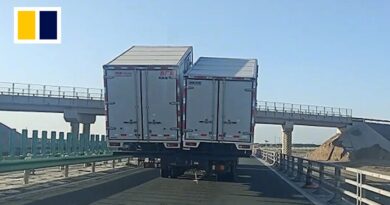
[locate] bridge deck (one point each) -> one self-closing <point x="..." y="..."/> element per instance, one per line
<point x="47" y="98"/>
<point x="310" y="115"/>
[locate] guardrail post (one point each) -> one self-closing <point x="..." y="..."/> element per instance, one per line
<point x="66" y="171"/>
<point x="11" y="146"/>
<point x="309" y="179"/>
<point x="337" y="178"/>
<point x="113" y="163"/>
<point x="43" y="143"/>
<point x="61" y="143"/>
<point x="292" y="166"/>
<point x="53" y="143"/>
<point x="298" y="177"/>
<point x="281" y="162"/>
<point x="321" y="169"/>
<point x="286" y="169"/>
<point x="93" y="167"/>
<point x="26" y="176"/>
<point x="34" y="143"/>
<point x="321" y="179"/>
<point x="68" y="143"/>
<point x="23" y="143"/>
<point x="360" y="192"/>
<point x="128" y="161"/>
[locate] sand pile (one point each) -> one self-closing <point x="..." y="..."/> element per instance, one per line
<point x="356" y="142"/>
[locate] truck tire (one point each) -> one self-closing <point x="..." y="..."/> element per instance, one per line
<point x="164" y="173"/>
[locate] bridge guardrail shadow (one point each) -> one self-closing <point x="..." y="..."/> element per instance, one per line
<point x="350" y="185"/>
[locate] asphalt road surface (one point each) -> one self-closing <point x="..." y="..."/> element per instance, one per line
<point x="255" y="184"/>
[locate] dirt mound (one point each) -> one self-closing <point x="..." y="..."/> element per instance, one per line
<point x="357" y="142"/>
<point x="331" y="150"/>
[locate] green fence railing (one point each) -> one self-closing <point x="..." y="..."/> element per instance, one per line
<point x="57" y="144"/>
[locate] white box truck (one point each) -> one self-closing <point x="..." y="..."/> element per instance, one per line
<point x="219" y="111"/>
<point x="143" y="96"/>
<point x="149" y="116"/>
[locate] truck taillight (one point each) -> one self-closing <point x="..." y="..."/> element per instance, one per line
<point x="220" y="168"/>
<point x="191" y="144"/>
<point x="172" y="144"/>
<point x="243" y="146"/>
<point x="114" y="144"/>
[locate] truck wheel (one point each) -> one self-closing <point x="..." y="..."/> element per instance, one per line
<point x="164" y="173"/>
<point x="173" y="172"/>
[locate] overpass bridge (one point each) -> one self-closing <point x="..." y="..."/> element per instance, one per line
<point x="79" y="105"/>
<point x="82" y="105"/>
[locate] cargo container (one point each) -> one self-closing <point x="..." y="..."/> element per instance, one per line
<point x="219" y="108"/>
<point x="143" y="95"/>
<point x="220" y="102"/>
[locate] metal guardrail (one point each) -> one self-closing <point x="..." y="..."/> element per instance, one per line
<point x="359" y="186"/>
<point x="37" y="90"/>
<point x="29" y="166"/>
<point x="303" y="109"/>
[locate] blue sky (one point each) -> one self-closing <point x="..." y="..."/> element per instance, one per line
<point x="333" y="53"/>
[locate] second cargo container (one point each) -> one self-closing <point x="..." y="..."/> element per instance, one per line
<point x="220" y="102"/>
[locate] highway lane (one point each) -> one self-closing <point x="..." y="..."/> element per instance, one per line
<point x="255" y="184"/>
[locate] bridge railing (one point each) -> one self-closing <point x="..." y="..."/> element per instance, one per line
<point x="303" y="109"/>
<point x="37" y="90"/>
<point x="351" y="184"/>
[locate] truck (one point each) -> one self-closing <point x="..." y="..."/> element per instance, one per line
<point x="161" y="106"/>
<point x="143" y="99"/>
<point x="219" y="112"/>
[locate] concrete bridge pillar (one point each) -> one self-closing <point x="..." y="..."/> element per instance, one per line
<point x="75" y="128"/>
<point x="75" y="118"/>
<point x="86" y="129"/>
<point x="287" y="130"/>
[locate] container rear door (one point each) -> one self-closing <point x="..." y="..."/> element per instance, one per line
<point x="235" y="111"/>
<point x="160" y="105"/>
<point x="122" y="87"/>
<point x="201" y="106"/>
